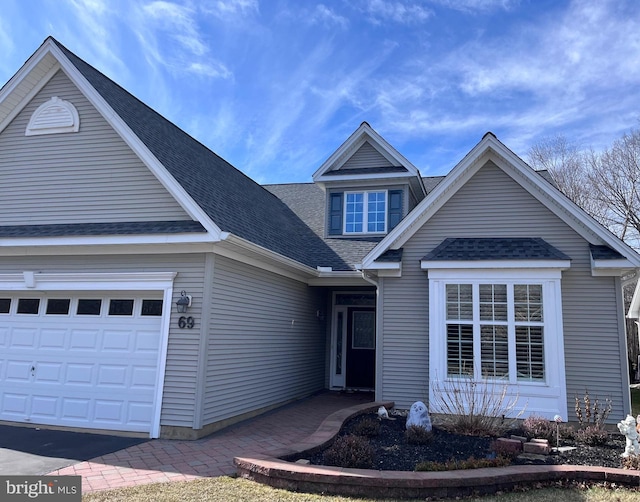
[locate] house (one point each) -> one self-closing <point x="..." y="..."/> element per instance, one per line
<point x="148" y="286"/>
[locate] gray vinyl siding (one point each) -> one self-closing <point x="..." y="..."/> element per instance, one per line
<point x="491" y="204"/>
<point x="88" y="176"/>
<point x="366" y="156"/>
<point x="266" y="345"/>
<point x="182" y="354"/>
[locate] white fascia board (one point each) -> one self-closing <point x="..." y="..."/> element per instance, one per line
<point x="111" y="249"/>
<point x="495" y="264"/>
<point x="141" y="150"/>
<point x="107" y="240"/>
<point x="72" y="281"/>
<point x="385" y="265"/>
<point x="600" y="268"/>
<point x="239" y="249"/>
<point x="335" y="279"/>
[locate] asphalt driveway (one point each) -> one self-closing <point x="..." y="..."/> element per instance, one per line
<point x="28" y="451"/>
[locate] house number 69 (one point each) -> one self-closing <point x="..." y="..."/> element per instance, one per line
<point x="185" y="322"/>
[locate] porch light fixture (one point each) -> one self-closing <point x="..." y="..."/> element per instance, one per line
<point x="183" y="303"/>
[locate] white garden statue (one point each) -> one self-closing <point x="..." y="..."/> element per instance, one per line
<point x="419" y="415"/>
<point x="628" y="428"/>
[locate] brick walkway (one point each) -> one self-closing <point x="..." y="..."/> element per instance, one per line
<point x="161" y="460"/>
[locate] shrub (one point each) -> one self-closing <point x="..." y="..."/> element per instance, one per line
<point x="505" y="449"/>
<point x="594" y="412"/>
<point x="632" y="462"/>
<point x="470" y="463"/>
<point x="350" y="451"/>
<point x="367" y="427"/>
<point x="592" y="435"/>
<point x="418" y="435"/>
<point x="474" y="408"/>
<point x="539" y="427"/>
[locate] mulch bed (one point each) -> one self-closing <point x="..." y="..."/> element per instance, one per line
<point x="393" y="453"/>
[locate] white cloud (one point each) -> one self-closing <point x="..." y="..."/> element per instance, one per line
<point x="477" y="5"/>
<point x="232" y="8"/>
<point x="381" y="11"/>
<point x="177" y="21"/>
<point x="327" y="17"/>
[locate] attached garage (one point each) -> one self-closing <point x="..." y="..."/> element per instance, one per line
<point x="88" y="359"/>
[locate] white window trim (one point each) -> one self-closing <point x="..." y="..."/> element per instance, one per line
<point x="546" y="398"/>
<point x="365" y="215"/>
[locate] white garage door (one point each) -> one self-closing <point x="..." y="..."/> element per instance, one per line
<point x="87" y="359"/>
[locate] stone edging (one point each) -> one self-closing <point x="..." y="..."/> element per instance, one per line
<point x="272" y="471"/>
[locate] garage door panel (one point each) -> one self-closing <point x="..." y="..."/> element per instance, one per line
<point x="79" y="374"/>
<point x="79" y="370"/>
<point x="53" y="339"/>
<point x="113" y="376"/>
<point x="44" y="407"/>
<point x="48" y="372"/>
<point x="18" y="370"/>
<point x="23" y="338"/>
<point x="14" y="405"/>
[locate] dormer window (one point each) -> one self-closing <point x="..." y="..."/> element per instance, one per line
<point x="365" y="212"/>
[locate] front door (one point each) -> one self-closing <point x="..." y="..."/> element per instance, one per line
<point x="361" y="348"/>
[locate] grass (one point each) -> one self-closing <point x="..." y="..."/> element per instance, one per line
<point x="226" y="489"/>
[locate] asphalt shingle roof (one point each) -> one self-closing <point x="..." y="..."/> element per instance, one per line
<point x="599" y="252"/>
<point x="117" y="228"/>
<point x="476" y="249"/>
<point x="232" y="200"/>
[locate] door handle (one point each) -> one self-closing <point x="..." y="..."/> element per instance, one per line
<point x="33" y="370"/>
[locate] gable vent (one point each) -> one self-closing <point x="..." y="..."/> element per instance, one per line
<point x="53" y="117"/>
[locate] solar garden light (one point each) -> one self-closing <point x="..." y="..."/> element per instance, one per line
<point x="558" y="420"/>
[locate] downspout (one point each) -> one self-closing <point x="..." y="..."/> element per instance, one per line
<point x="379" y="316"/>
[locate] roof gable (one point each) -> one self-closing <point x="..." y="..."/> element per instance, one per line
<point x="366" y="155"/>
<point x="491" y="149"/>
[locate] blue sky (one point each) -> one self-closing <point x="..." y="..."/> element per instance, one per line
<point x="275" y="86"/>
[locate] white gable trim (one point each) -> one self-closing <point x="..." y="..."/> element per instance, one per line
<point x="490" y="148"/>
<point x="116" y="122"/>
<point x="362" y="134"/>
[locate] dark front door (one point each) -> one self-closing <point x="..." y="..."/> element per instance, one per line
<point x="361" y="348"/>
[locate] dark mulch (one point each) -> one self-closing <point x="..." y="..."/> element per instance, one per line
<point x="393" y="453"/>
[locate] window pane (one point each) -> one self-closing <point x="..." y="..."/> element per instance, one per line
<point x="151" y="308"/>
<point x="354" y="212"/>
<point x="530" y="352"/>
<point x="459" y="302"/>
<point x="493" y="302"/>
<point x="28" y="305"/>
<point x="376" y="211"/>
<point x="58" y="306"/>
<point x="89" y="307"/>
<point x="528" y="302"/>
<point x="364" y="330"/>
<point x="121" y="307"/>
<point x="494" y="350"/>
<point x="339" y="328"/>
<point x="459" y="350"/>
<point x="5" y="305"/>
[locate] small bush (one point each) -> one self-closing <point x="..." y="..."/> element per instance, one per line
<point x="592" y="435"/>
<point x="632" y="462"/>
<point x="350" y="451"/>
<point x="470" y="463"/>
<point x="418" y="435"/>
<point x="505" y="449"/>
<point x="367" y="427"/>
<point x="539" y="427"/>
<point x="594" y="412"/>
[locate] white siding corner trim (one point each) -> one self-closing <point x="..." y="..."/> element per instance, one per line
<point x="53" y="117"/>
<point x="546" y="397"/>
<point x="120" y="281"/>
